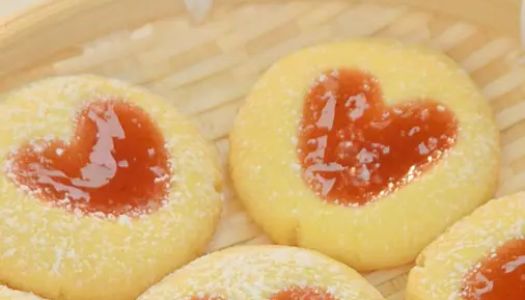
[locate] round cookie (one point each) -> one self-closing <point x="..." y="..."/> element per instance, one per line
<point x="9" y="294"/>
<point x="104" y="189"/>
<point x="481" y="257"/>
<point x="364" y="150"/>
<point x="263" y="272"/>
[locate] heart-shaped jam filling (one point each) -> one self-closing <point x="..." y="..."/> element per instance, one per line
<point x="354" y="148"/>
<point x="115" y="164"/>
<point x="499" y="276"/>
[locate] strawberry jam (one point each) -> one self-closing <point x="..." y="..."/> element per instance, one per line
<point x="116" y="163"/>
<point x="354" y="148"/>
<point x="500" y="276"/>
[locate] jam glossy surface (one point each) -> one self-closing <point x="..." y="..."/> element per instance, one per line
<point x="116" y="163"/>
<point x="354" y="148"/>
<point x="500" y="276"/>
<point x="297" y="293"/>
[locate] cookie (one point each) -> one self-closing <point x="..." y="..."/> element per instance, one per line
<point x="364" y="150"/>
<point x="481" y="257"/>
<point x="263" y="272"/>
<point x="104" y="189"/>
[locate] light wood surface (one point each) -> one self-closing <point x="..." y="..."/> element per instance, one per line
<point x="206" y="69"/>
<point x="11" y="8"/>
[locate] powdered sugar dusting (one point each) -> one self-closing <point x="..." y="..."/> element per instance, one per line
<point x="488" y="228"/>
<point x="256" y="273"/>
<point x="38" y="238"/>
<point x="264" y="132"/>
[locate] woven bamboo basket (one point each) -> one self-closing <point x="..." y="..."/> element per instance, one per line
<point x="206" y="68"/>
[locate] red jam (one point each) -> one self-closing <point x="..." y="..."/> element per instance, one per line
<point x="297" y="293"/>
<point x="500" y="276"/>
<point x="116" y="163"/>
<point x="354" y="148"/>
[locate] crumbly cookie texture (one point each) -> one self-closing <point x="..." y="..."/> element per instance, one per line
<point x="392" y="229"/>
<point x="260" y="272"/>
<point x="64" y="254"/>
<point x="441" y="268"/>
